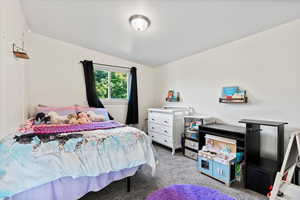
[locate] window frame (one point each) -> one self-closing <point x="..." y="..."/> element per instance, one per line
<point x="109" y="100"/>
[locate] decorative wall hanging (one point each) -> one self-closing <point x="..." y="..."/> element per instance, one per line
<point x="233" y="94"/>
<point x="19" y="52"/>
<point x="172" y="96"/>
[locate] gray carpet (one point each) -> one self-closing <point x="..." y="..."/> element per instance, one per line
<point x="170" y="170"/>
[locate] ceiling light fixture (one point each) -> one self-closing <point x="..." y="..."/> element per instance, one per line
<point x="139" y="22"/>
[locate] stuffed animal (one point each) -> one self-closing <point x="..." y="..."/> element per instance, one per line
<point x="41" y="118"/>
<point x="72" y="118"/>
<point x="83" y="118"/>
<point x="94" y="117"/>
<point x="57" y="119"/>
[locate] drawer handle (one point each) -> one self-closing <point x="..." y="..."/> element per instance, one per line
<point x="152" y="127"/>
<point x="166" y="141"/>
<point x="165" y="131"/>
<point x="153" y="119"/>
<point x="166" y="122"/>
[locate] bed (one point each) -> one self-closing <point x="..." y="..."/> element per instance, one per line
<point x="58" y="164"/>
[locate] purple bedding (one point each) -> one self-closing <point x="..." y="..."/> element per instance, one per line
<point x="68" y="128"/>
<point x="68" y="188"/>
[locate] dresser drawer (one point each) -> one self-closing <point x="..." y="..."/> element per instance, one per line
<point x="191" y="144"/>
<point x="161" y="118"/>
<point x="162" y="139"/>
<point x="161" y="129"/>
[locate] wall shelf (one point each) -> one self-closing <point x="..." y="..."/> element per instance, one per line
<point x="235" y="100"/>
<point x="19" y="52"/>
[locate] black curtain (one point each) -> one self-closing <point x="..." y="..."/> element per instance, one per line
<point x="133" y="107"/>
<point x="90" y="85"/>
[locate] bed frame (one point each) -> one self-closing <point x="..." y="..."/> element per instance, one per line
<point x="128" y="184"/>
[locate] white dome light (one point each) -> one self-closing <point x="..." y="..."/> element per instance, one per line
<point x="139" y="22"/>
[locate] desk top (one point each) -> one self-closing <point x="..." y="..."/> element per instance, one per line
<point x="262" y="122"/>
<point x="226" y="127"/>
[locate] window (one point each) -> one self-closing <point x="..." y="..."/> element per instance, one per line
<point x="111" y="86"/>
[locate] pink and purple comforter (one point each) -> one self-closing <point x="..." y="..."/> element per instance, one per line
<point x="68" y="128"/>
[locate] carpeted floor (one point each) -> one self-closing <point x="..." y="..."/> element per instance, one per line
<point x="170" y="170"/>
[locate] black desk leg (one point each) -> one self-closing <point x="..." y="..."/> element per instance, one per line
<point x="128" y="184"/>
<point x="280" y="144"/>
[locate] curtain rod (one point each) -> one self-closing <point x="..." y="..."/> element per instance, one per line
<point x="109" y="65"/>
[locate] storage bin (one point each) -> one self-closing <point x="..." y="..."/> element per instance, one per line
<point x="191" y="154"/>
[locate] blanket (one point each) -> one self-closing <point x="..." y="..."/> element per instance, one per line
<point x="85" y="153"/>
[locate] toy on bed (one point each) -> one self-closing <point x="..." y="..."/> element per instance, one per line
<point x="95" y="114"/>
<point x="72" y="118"/>
<point x="42" y="118"/>
<point x="55" y="118"/>
<point x="56" y="115"/>
<point x="95" y="117"/>
<point x="83" y="118"/>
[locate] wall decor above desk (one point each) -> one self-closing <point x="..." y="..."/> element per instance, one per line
<point x="233" y="94"/>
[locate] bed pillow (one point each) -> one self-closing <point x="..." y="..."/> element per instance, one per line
<point x="59" y="110"/>
<point x="97" y="114"/>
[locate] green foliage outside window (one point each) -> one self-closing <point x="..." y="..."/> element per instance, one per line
<point x="101" y="78"/>
<point x="119" y="85"/>
<point x="116" y="89"/>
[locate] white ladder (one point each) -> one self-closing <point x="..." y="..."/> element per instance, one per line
<point x="283" y="189"/>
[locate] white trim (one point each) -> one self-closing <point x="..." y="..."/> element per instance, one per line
<point x="111" y="69"/>
<point x="114" y="101"/>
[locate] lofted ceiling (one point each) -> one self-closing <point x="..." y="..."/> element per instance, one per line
<point x="179" y="28"/>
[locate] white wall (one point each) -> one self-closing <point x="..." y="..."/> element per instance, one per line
<point x="56" y="77"/>
<point x="13" y="83"/>
<point x="53" y="75"/>
<point x="1" y="68"/>
<point x="267" y="65"/>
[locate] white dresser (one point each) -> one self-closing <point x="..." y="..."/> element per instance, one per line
<point x="166" y="125"/>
